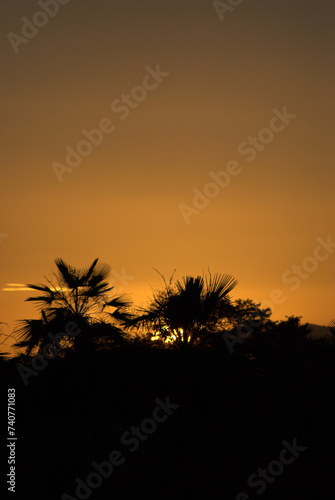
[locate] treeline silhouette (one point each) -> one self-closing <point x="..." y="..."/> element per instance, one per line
<point x="93" y="366"/>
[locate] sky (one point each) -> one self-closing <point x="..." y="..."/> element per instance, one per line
<point x="187" y="135"/>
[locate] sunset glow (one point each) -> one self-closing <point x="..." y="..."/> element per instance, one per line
<point x="167" y="249"/>
<point x="205" y="145"/>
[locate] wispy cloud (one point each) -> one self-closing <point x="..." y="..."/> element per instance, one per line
<point x="20" y="287"/>
<point x="15" y="287"/>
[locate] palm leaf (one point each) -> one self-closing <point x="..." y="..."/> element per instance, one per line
<point x="68" y="275"/>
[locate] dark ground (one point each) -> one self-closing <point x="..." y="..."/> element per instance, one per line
<point x="233" y="417"/>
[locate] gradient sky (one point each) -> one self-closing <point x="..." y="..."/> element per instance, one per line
<point x="122" y="203"/>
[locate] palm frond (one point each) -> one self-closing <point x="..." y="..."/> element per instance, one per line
<point x="68" y="275"/>
<point x="40" y="288"/>
<point x="121" y="301"/>
<point x="100" y="274"/>
<point x="88" y="272"/>
<point x="45" y="299"/>
<point x="220" y="284"/>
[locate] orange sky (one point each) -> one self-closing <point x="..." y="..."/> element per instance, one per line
<point x="224" y="81"/>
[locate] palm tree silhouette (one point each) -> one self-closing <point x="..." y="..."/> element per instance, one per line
<point x="79" y="295"/>
<point x="188" y="311"/>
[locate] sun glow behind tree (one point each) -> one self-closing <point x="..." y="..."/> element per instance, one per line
<point x="185" y="313"/>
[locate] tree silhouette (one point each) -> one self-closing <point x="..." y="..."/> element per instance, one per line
<point x="188" y="311"/>
<point x="3" y="355"/>
<point x="331" y="326"/>
<point x="78" y="295"/>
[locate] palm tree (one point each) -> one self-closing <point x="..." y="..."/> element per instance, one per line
<point x="79" y="295"/>
<point x="3" y="355"/>
<point x="188" y="312"/>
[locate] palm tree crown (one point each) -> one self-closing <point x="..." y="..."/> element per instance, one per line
<point x="189" y="309"/>
<point x="80" y="295"/>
